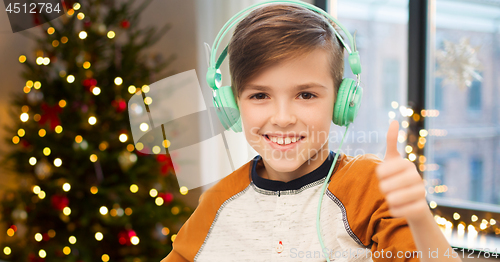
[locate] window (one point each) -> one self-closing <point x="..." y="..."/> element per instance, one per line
<point x="380" y="29"/>
<point x="461" y="96"/>
<point x="438" y="93"/>
<point x="476" y="180"/>
<point x="474" y="96"/>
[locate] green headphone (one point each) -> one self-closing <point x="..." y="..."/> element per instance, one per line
<point x="348" y="98"/>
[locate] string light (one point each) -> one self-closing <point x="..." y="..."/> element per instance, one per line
<point x="86" y="65"/>
<point x="78" y="139"/>
<point x="98" y="236"/>
<point x="55" y="43"/>
<point x="456" y="216"/>
<point x="70" y="12"/>
<point x="433" y="204"/>
<point x="64" y="39"/>
<point x="408" y="149"/>
<point x="165" y="231"/>
<point x="93" y="158"/>
<point x="37" y="117"/>
<point x="7" y="250"/>
<point x="128" y="211"/>
<point x="80" y="16"/>
<point x="21" y="132"/>
<point x="144" y="127"/>
<point x="183" y="190"/>
<point x="166" y="143"/>
<point x="139" y="146"/>
<point x="42" y="194"/>
<point x="46" y="151"/>
<point x="76" y="6"/>
<point x="32" y="161"/>
<point x="62" y="103"/>
<point x="36" y="189"/>
<point x="92" y="120"/>
<point x="111" y="34"/>
<point x="93" y="190"/>
<point x="103" y="210"/>
<point x="39" y="60"/>
<point x="118" y="81"/>
<point x="156" y="149"/>
<point x="148" y="100"/>
<point x="46" y="60"/>
<point x="42" y="132"/>
<point x="57" y="162"/>
<point x="16" y="140"/>
<point x="123" y="138"/>
<point x="67" y="250"/>
<point x="134" y="188"/>
<point x="72" y="240"/>
<point x="66" y="187"/>
<point x="153" y="192"/>
<point x="105" y="258"/>
<point x="134" y="240"/>
<point x="159" y="201"/>
<point x="58" y="129"/>
<point x="38" y="237"/>
<point x="24" y="117"/>
<point x="70" y="78"/>
<point x="473" y="218"/>
<point x="82" y="35"/>
<point x="130" y="147"/>
<point x="29" y="83"/>
<point x="67" y="211"/>
<point x="22" y="58"/>
<point x="103" y="145"/>
<point x="173" y="237"/>
<point x="175" y="210"/>
<point x="145" y="88"/>
<point x="132" y="89"/>
<point x="10" y="232"/>
<point x="42" y="253"/>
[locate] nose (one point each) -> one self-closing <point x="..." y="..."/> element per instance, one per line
<point x="284" y="115"/>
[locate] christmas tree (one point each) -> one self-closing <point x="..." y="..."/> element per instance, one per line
<point x="84" y="192"/>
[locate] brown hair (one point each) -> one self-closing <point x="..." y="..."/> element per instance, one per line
<point x="277" y="32"/>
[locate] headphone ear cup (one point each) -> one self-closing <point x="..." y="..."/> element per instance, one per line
<point x="227" y="109"/>
<point x="343" y="113"/>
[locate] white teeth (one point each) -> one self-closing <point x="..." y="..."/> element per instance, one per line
<point x="284" y="141"/>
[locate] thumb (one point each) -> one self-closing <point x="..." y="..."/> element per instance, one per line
<point x="392" y="141"/>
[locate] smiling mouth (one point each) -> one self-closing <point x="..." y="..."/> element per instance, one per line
<point x="284" y="141"/>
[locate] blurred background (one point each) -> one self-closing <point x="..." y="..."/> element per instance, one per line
<point x="70" y="165"/>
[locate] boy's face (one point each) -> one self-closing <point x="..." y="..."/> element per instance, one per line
<point x="292" y="99"/>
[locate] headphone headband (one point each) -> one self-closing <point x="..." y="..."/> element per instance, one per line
<point x="213" y="74"/>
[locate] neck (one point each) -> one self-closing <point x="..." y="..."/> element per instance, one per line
<point x="308" y="166"/>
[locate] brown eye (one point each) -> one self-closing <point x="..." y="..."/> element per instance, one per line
<point x="307" y="96"/>
<point x="258" y="96"/>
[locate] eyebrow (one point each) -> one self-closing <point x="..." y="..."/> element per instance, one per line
<point x="297" y="87"/>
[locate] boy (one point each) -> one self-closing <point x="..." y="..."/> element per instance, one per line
<point x="286" y="66"/>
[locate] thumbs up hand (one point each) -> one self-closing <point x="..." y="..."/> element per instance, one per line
<point x="400" y="181"/>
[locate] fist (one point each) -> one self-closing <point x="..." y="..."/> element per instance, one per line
<point x="400" y="181"/>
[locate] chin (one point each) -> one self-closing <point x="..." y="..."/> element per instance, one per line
<point x="284" y="165"/>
